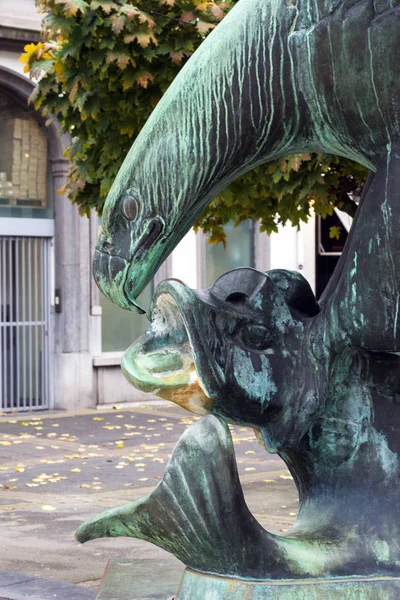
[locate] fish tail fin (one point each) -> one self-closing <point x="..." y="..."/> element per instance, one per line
<point x="197" y="512"/>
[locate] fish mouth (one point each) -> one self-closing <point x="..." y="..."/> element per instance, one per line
<point x="119" y="279"/>
<point x="165" y="360"/>
<point x="111" y="274"/>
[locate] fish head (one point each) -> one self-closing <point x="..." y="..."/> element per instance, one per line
<point x="130" y="232"/>
<point x="234" y="349"/>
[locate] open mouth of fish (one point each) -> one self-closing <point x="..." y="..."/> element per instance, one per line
<point x="163" y="361"/>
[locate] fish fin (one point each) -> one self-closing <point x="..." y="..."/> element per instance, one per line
<point x="197" y="512"/>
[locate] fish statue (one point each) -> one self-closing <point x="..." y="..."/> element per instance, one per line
<point x="317" y="381"/>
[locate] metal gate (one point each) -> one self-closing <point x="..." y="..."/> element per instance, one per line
<point x="24" y="323"/>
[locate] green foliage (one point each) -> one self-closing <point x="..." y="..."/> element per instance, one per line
<point x="102" y="67"/>
<point x="286" y="191"/>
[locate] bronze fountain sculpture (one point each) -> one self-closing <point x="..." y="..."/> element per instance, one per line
<point x="318" y="381"/>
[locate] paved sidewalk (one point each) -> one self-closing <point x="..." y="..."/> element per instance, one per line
<point x="18" y="586"/>
<point x="58" y="470"/>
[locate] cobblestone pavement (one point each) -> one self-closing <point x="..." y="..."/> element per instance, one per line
<point x="58" y="470"/>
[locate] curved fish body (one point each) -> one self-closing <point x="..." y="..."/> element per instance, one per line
<point x="319" y="384"/>
<point x="275" y="77"/>
<point x="256" y="349"/>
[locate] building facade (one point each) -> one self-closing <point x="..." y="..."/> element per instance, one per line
<point x="61" y="341"/>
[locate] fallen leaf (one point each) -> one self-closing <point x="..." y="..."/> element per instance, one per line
<point x="48" y="507"/>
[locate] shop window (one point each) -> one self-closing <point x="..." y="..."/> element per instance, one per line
<point x="23" y="162"/>
<point x="119" y="327"/>
<point x="239" y="251"/>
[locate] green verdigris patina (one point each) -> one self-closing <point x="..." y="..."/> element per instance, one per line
<point x="319" y="382"/>
<point x="274" y="78"/>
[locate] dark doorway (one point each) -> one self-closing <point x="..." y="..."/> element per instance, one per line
<point x="328" y="250"/>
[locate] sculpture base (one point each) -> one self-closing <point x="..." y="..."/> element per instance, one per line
<point x="152" y="578"/>
<point x="197" y="586"/>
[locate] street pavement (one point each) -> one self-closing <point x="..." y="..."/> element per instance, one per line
<point x="59" y="470"/>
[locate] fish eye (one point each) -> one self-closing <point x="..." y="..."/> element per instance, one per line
<point x="130" y="205"/>
<point x="254" y="336"/>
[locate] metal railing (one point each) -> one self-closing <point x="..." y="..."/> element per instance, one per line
<point x="24" y="323"/>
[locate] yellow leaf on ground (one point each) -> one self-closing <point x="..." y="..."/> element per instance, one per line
<point x="48" y="507"/>
<point x="75" y="470"/>
<point x="5" y="443"/>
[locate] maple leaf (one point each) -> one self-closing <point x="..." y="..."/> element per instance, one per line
<point x="187" y="17"/>
<point x="118" y="23"/>
<point x="204" y="27"/>
<point x="144" y="39"/>
<point x="217" y="12"/>
<point x="176" y="57"/>
<point x="72" y="7"/>
<point x="121" y="58"/>
<point x="74" y="89"/>
<point x="128" y="78"/>
<point x="335" y="232"/>
<point x="144" y="79"/>
<point x="106" y="5"/>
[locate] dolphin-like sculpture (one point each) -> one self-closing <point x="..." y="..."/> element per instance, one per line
<point x="275" y="77"/>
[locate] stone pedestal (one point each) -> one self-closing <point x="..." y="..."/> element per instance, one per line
<point x="196" y="586"/>
<point x="140" y="579"/>
<point x="135" y="579"/>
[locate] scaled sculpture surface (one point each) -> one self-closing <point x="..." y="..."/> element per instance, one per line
<point x="319" y="382"/>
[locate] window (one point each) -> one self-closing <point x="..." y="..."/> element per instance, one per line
<point x="239" y="251"/>
<point x="328" y="250"/>
<point x="119" y="327"/>
<point x="23" y="162"/>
